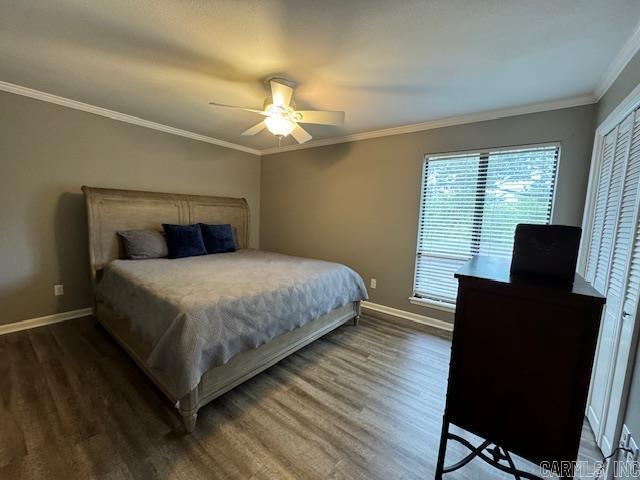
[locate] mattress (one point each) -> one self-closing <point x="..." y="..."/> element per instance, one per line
<point x="199" y="312"/>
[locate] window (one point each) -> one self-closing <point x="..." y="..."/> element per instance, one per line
<point x="471" y="204"/>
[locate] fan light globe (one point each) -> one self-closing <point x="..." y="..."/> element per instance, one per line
<point x="279" y="126"/>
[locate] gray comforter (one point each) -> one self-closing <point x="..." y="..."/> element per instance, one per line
<point x="200" y="311"/>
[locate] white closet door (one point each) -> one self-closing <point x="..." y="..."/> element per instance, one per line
<point x="602" y="192"/>
<point x="633" y="287"/>
<point x="605" y="239"/>
<point x="603" y="268"/>
<point x="622" y="293"/>
<point x="597" y="391"/>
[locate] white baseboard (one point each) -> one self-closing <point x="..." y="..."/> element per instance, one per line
<point x="83" y="312"/>
<point x="46" y="320"/>
<point x="414" y="317"/>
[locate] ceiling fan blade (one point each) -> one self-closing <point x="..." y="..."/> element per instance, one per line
<point x="321" y="117"/>
<point x="253" y="110"/>
<point x="255" y="129"/>
<point x="300" y="134"/>
<point x="281" y="94"/>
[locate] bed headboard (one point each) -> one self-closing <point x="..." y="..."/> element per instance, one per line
<point x="109" y="211"/>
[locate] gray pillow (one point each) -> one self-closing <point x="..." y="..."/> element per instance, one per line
<point x="143" y="244"/>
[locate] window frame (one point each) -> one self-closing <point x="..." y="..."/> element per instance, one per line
<point x="483" y="154"/>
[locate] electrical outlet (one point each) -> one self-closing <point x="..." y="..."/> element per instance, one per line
<point x="58" y="290"/>
<point x="373" y="283"/>
<point x="624" y="437"/>
<point x="633" y="455"/>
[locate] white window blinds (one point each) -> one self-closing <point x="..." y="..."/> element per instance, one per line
<point x="470" y="205"/>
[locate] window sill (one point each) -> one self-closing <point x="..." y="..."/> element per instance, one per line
<point x="425" y="302"/>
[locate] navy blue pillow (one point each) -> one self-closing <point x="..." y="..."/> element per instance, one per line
<point x="218" y="238"/>
<point x="184" y="240"/>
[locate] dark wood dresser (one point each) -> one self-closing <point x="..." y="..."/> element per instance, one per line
<point x="521" y="361"/>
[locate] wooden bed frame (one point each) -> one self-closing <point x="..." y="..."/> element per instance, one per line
<point x="109" y="211"/>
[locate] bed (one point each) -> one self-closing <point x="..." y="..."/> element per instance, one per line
<point x="199" y="326"/>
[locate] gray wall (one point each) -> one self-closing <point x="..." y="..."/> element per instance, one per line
<point x="624" y="84"/>
<point x="357" y="203"/>
<point x="48" y="153"/>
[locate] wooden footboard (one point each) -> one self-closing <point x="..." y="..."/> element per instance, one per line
<point x="220" y="379"/>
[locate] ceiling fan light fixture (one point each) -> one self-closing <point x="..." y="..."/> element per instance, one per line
<point x="281" y="117"/>
<point x="279" y="126"/>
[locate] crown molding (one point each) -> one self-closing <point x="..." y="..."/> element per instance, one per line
<point x="416" y="127"/>
<point x="624" y="56"/>
<point x="445" y="122"/>
<point x="121" y="117"/>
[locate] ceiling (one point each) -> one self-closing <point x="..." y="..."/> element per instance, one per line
<point x="386" y="63"/>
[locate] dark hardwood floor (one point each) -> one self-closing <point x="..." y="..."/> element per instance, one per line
<point x="361" y="403"/>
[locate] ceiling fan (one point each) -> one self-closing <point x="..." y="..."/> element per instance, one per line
<point x="281" y="117"/>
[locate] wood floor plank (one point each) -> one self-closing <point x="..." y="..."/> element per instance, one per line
<point x="360" y="403"/>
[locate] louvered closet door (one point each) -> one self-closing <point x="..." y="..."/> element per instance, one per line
<point x="612" y="206"/>
<point x="608" y="263"/>
<point x="602" y="191"/>
<point x="623" y="286"/>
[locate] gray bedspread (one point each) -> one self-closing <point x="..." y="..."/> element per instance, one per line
<point x="200" y="311"/>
